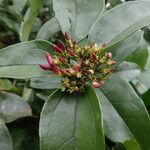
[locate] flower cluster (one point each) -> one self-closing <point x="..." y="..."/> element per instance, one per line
<point x="79" y="66"/>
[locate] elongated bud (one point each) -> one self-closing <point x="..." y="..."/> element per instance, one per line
<point x="91" y="71"/>
<point x="49" y="58"/>
<point x="108" y="55"/>
<point x="111" y="62"/>
<point x="96" y="84"/>
<point x="63" y="71"/>
<point x="71" y="52"/>
<point x="67" y="36"/>
<point x="94" y="57"/>
<point x="62" y="46"/>
<point x="54" y="68"/>
<point x="62" y="60"/>
<point x="51" y="62"/>
<point x="45" y="66"/>
<point x="56" y="49"/>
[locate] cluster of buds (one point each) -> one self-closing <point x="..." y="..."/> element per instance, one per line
<point x="79" y="66"/>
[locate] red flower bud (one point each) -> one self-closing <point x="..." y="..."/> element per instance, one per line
<point x="96" y="84"/>
<point x="94" y="57"/>
<point x="108" y="55"/>
<point x="62" y="60"/>
<point x="62" y="46"/>
<point x="45" y="66"/>
<point x="56" y="49"/>
<point x="71" y="52"/>
<point x="67" y="36"/>
<point x="50" y="60"/>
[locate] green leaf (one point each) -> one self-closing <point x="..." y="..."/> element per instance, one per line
<point x="19" y="4"/>
<point x="24" y="133"/>
<point x="128" y="70"/>
<point x="13" y="107"/>
<point x="130" y="107"/>
<point x="123" y="49"/>
<point x="71" y="122"/>
<point x="29" y="18"/>
<point x="147" y="66"/>
<point x="5" y="138"/>
<point x="120" y="22"/>
<point x="5" y="85"/>
<point x="65" y="13"/>
<point x="9" y="19"/>
<point x="49" y="82"/>
<point x="48" y="29"/>
<point x="115" y="127"/>
<point x="141" y="52"/>
<point x="87" y="13"/>
<point x="24" y="59"/>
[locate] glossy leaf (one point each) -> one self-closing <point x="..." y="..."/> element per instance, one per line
<point x="71" y="122"/>
<point x="120" y="22"/>
<point x="130" y="107"/>
<point x="5" y="138"/>
<point x="48" y="29"/>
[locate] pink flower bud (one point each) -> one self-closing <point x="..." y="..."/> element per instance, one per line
<point x="96" y="84"/>
<point x="62" y="60"/>
<point x="45" y="66"/>
<point x="49" y="58"/>
<point x="51" y="62"/>
<point x="91" y="71"/>
<point x="67" y="36"/>
<point x="108" y="55"/>
<point x="94" y="57"/>
<point x="56" y="49"/>
<point x="62" y="46"/>
<point x="111" y="62"/>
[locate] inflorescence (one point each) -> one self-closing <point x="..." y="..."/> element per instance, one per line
<point x="79" y="66"/>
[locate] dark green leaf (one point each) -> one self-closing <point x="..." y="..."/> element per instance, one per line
<point x="5" y="138"/>
<point x="72" y="122"/>
<point x="130" y="107"/>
